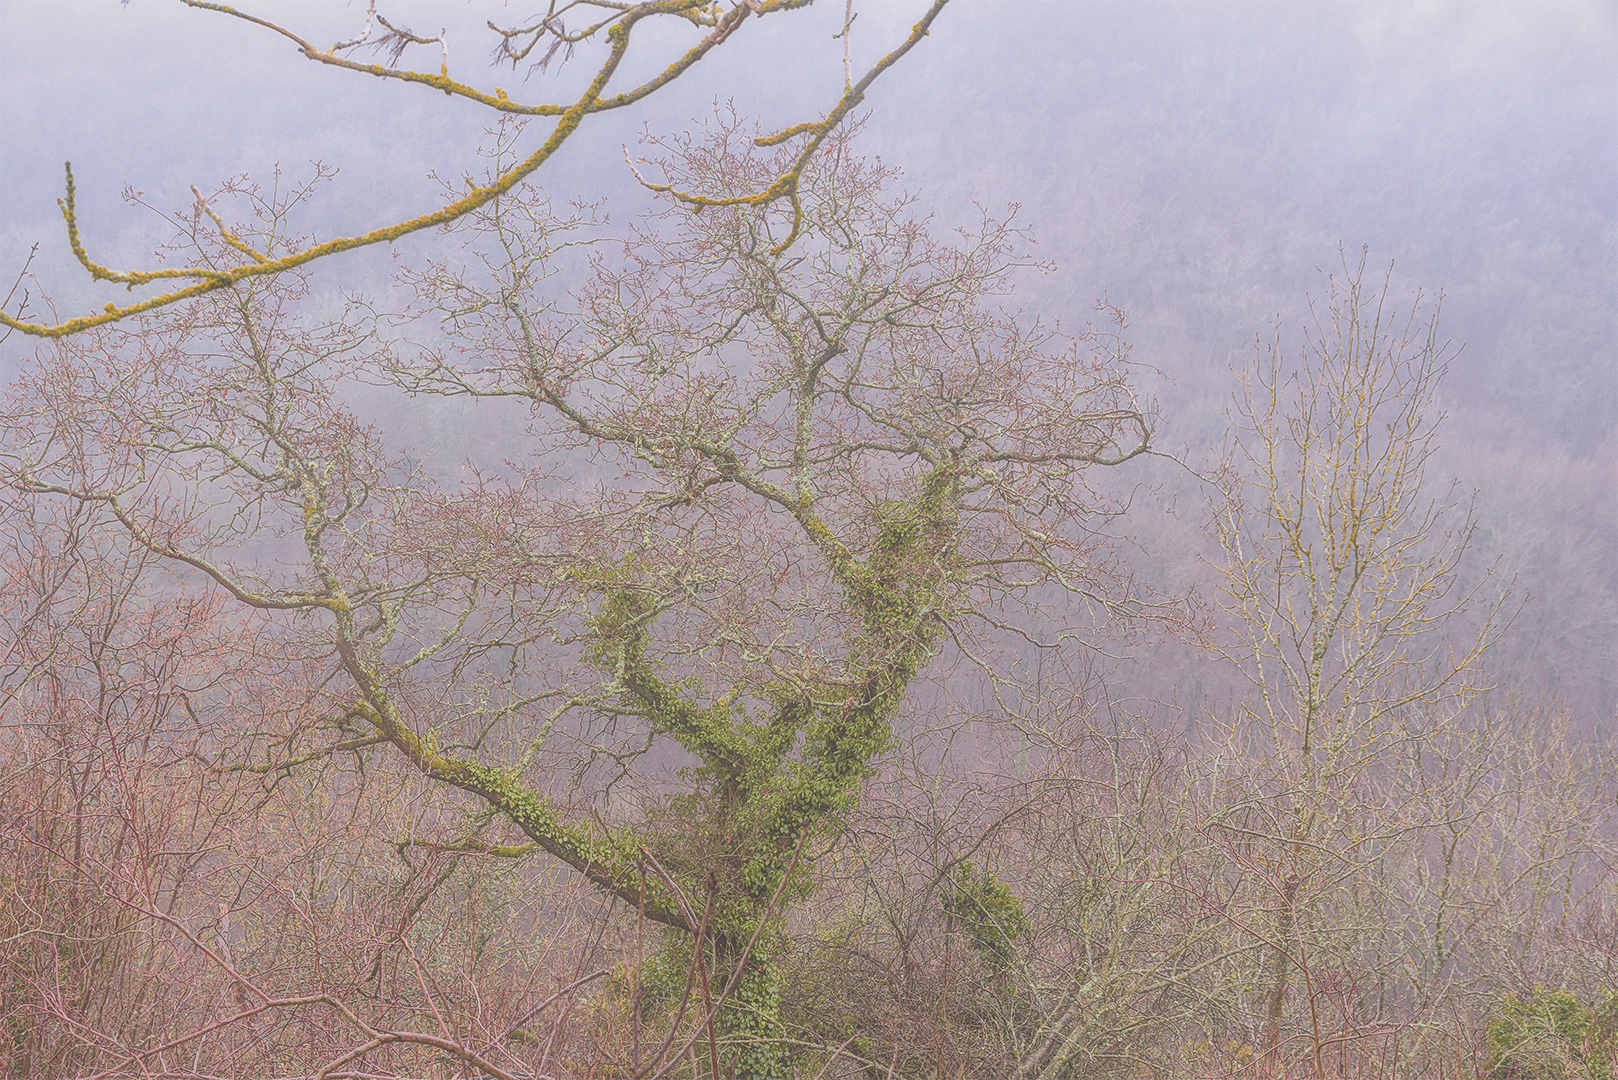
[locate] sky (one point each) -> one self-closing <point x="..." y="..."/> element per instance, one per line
<point x="1198" y="164"/>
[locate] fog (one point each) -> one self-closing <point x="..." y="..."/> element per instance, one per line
<point x="1196" y="164"/>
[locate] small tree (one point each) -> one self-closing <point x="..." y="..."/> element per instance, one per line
<point x="1340" y="593"/>
<point x="760" y="488"/>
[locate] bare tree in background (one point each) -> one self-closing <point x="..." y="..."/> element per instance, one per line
<point x="1341" y="606"/>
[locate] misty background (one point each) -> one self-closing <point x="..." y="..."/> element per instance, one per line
<point x="1198" y="164"/>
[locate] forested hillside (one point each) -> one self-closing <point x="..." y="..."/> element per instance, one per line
<point x="777" y="540"/>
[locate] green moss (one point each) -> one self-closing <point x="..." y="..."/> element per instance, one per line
<point x="789" y="760"/>
<point x="990" y="914"/>
<point x="1551" y="1035"/>
<point x="752" y="1020"/>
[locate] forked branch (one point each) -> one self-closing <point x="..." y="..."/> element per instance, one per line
<point x="618" y="30"/>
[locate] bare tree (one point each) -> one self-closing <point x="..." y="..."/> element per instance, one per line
<point x="1340" y="596"/>
<point x="761" y="488"/>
